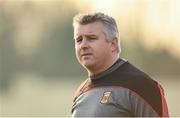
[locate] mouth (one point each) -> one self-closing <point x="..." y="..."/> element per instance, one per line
<point x="86" y="54"/>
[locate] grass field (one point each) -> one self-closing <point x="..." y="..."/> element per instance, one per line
<point x="30" y="96"/>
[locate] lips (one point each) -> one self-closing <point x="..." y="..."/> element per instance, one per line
<point x="86" y="54"/>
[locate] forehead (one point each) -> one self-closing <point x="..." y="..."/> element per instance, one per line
<point x="95" y="28"/>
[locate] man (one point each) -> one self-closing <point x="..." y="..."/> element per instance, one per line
<point x="114" y="88"/>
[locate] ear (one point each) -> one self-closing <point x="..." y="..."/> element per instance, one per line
<point x="114" y="44"/>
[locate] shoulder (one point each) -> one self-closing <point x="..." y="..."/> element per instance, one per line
<point x="82" y="88"/>
<point x="129" y="76"/>
<point x="142" y="84"/>
<point x="132" y="78"/>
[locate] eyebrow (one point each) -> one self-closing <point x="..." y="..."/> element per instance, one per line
<point x="89" y="35"/>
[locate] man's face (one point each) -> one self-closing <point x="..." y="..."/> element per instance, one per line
<point x="92" y="48"/>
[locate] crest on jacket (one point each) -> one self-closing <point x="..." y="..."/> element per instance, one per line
<point x="105" y="97"/>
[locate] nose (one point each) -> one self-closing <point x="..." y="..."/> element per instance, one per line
<point x="84" y="44"/>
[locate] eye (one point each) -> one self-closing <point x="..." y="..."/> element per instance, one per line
<point x="79" y="39"/>
<point x="93" y="38"/>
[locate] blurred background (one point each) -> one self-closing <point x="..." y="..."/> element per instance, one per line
<point x="38" y="69"/>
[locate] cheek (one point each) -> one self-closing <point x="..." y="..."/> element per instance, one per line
<point x="103" y="52"/>
<point x="77" y="51"/>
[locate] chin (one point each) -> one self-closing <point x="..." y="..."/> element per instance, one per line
<point x="87" y="64"/>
